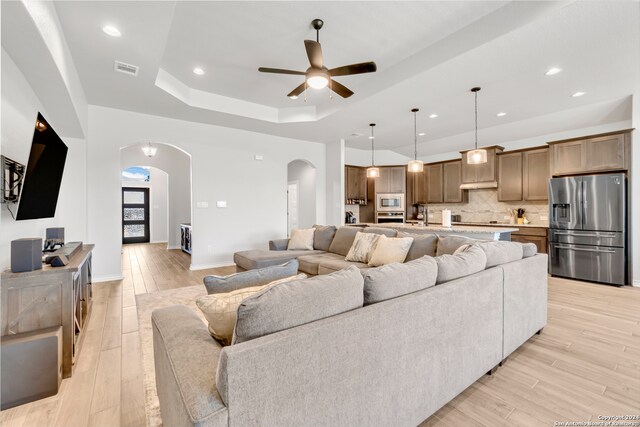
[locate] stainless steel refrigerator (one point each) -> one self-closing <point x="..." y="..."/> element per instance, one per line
<point x="587" y="228"/>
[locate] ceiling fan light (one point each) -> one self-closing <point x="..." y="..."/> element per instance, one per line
<point x="149" y="150"/>
<point x="477" y="156"/>
<point x="317" y="81"/>
<point x="415" y="166"/>
<point x="373" y="172"/>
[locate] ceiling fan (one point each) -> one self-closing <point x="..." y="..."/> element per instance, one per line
<point x="317" y="75"/>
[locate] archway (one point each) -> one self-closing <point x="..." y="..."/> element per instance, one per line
<point x="301" y="195"/>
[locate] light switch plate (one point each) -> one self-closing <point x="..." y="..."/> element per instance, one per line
<point x="258" y="157"/>
<point x="221" y="204"/>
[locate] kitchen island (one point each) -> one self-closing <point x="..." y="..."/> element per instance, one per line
<point x="473" y="231"/>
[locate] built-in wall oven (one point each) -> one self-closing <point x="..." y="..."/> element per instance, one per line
<point x="390" y="217"/>
<point x="390" y="202"/>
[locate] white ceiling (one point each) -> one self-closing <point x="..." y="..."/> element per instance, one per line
<point x="429" y="54"/>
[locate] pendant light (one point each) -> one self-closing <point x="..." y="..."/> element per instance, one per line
<point x="149" y="150"/>
<point x="415" y="165"/>
<point x="372" y="171"/>
<point x="476" y="156"/>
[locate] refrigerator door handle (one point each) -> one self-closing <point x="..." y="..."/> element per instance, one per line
<point x="604" y="251"/>
<point x="568" y="233"/>
<point x="583" y="189"/>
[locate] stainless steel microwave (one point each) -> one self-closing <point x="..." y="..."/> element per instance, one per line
<point x="390" y="202"/>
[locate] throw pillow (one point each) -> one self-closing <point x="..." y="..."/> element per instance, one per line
<point x="244" y="279"/>
<point x="423" y="244"/>
<point x="220" y="310"/>
<point x="452" y="267"/>
<point x="323" y="236"/>
<point x="447" y="245"/>
<point x="394" y="280"/>
<point x="343" y="240"/>
<point x="295" y="303"/>
<point x="390" y="249"/>
<point x="362" y="247"/>
<point x="461" y="249"/>
<point x="389" y="232"/>
<point x="301" y="239"/>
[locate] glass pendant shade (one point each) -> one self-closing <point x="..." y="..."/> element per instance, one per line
<point x="477" y="156"/>
<point x="415" y="166"/>
<point x="149" y="150"/>
<point x="373" y="172"/>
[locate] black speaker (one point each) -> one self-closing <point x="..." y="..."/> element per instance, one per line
<point x="26" y="254"/>
<point x="56" y="233"/>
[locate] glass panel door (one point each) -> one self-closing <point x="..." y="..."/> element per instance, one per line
<point x="135" y="215"/>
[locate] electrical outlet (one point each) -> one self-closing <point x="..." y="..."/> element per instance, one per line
<point x="202" y="204"/>
<point x="506" y="217"/>
<point x="258" y="157"/>
<point x="544" y="218"/>
<point x="430" y="216"/>
<point x="221" y="204"/>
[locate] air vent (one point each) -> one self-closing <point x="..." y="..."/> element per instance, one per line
<point x="125" y="68"/>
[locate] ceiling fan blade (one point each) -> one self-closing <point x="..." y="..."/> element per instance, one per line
<point x="314" y="52"/>
<point x="340" y="89"/>
<point x="346" y="70"/>
<point x="297" y="91"/>
<point x="280" y="71"/>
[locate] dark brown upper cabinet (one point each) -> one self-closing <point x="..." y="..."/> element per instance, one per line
<point x="452" y="179"/>
<point x="598" y="153"/>
<point x="509" y="177"/>
<point x="523" y="175"/>
<point x="435" y="193"/>
<point x="392" y="180"/>
<point x="416" y="188"/>
<point x="355" y="183"/>
<point x="481" y="173"/>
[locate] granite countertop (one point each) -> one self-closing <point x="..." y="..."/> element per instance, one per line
<point x="455" y="229"/>
<point x="487" y="224"/>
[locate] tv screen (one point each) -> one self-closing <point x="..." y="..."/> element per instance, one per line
<point x="41" y="184"/>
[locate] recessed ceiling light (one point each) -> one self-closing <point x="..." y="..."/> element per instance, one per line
<point x="372" y="137"/>
<point x="577" y="94"/>
<point x="433" y="116"/>
<point x="199" y="71"/>
<point x="111" y="31"/>
<point x="421" y="134"/>
<point x="293" y="97"/>
<point x="501" y="114"/>
<point x="552" y="71"/>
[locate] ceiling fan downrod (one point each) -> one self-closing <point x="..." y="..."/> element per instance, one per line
<point x="317" y="25"/>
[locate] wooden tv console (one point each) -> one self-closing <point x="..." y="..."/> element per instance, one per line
<point x="52" y="296"/>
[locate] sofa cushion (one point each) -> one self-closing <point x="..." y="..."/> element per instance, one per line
<point x="328" y="267"/>
<point x="220" y="310"/>
<point x="258" y="258"/>
<point x="452" y="267"/>
<point x="390" y="249"/>
<point x="262" y="276"/>
<point x="309" y="263"/>
<point x="295" y="303"/>
<point x="447" y="245"/>
<point x="362" y="247"/>
<point x="529" y="249"/>
<point x="301" y="239"/>
<point x="423" y="244"/>
<point x="394" y="280"/>
<point x="343" y="240"/>
<point x="501" y="252"/>
<point x="389" y="232"/>
<point x="323" y="237"/>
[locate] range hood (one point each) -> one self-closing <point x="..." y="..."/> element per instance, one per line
<point x="479" y="185"/>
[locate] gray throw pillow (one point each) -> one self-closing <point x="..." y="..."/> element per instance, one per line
<point x="462" y="264"/>
<point x="323" y="237"/>
<point x="447" y="245"/>
<point x="295" y="303"/>
<point x="501" y="252"/>
<point x="529" y="249"/>
<point x="343" y="240"/>
<point x="244" y="279"/>
<point x="389" y="232"/>
<point x="423" y="244"/>
<point x="394" y="280"/>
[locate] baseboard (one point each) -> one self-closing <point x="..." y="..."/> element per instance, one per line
<point x="205" y="266"/>
<point x="159" y="241"/>
<point x="174" y="247"/>
<point x="108" y="278"/>
<point x="636" y="283"/>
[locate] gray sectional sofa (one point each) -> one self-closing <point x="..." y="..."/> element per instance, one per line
<point x="393" y="362"/>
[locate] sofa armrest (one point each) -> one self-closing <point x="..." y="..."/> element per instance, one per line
<point x="278" y="244"/>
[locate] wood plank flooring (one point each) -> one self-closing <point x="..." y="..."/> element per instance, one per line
<point x="586" y="362"/>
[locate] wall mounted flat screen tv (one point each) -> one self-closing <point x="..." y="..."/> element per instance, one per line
<point x="41" y="185"/>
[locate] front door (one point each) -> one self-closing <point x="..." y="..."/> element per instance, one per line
<point x="135" y="215"/>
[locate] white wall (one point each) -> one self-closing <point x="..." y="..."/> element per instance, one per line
<point x="335" y="183"/>
<point x="304" y="175"/>
<point x="177" y="164"/>
<point x="223" y="169"/>
<point x="158" y="186"/>
<point x="357" y="157"/>
<point x="20" y="106"/>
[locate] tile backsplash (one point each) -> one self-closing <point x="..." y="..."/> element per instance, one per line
<point x="484" y="206"/>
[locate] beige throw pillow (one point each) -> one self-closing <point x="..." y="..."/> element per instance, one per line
<point x="390" y="249"/>
<point x="301" y="239"/>
<point x="362" y="247"/>
<point x="220" y="310"/>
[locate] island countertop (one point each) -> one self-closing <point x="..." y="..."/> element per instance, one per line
<point x="481" y="231"/>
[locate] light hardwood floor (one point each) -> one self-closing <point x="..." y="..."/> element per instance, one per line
<point x="585" y="363"/>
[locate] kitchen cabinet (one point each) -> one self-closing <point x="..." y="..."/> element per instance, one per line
<point x="355" y="183"/>
<point x="598" y="153"/>
<point x="509" y="176"/>
<point x="483" y="172"/>
<point x="535" y="174"/>
<point x="434" y="177"/>
<point x="392" y="180"/>
<point x="416" y="188"/>
<point x="451" y="181"/>
<point x="536" y="235"/>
